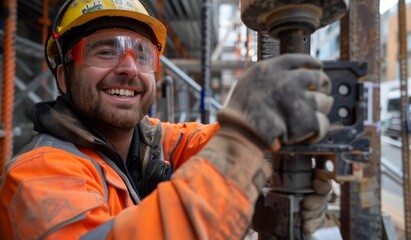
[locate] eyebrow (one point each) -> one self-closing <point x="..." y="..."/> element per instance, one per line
<point x="108" y="42"/>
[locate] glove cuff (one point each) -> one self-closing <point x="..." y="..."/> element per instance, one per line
<point x="233" y="119"/>
<point x="239" y="160"/>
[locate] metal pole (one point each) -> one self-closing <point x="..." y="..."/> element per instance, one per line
<point x="206" y="61"/>
<point x="403" y="60"/>
<point x="361" y="201"/>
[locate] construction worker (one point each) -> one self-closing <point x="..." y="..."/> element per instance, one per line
<point x="98" y="167"/>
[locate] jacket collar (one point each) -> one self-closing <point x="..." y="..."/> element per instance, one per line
<point x="58" y="118"/>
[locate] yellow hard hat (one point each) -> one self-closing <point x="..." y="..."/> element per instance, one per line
<point x="77" y="13"/>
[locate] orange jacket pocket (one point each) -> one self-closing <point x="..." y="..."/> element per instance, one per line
<point x="44" y="204"/>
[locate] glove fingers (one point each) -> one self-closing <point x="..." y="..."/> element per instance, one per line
<point x="313" y="224"/>
<point x="322" y="101"/>
<point x="322" y="174"/>
<point x="314" y="202"/>
<point x="311" y="134"/>
<point x="296" y="139"/>
<point x="324" y="84"/>
<point x="323" y="126"/>
<point x="311" y="79"/>
<point x="313" y="214"/>
<point x="284" y="111"/>
<point x="314" y="218"/>
<point x="322" y="187"/>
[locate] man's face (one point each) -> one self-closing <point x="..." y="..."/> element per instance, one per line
<point x="112" y="95"/>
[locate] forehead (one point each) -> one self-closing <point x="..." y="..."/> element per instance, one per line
<point x="114" y="32"/>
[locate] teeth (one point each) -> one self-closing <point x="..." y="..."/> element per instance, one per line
<point x="120" y="92"/>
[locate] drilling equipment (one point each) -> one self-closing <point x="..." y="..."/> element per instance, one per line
<point x="344" y="147"/>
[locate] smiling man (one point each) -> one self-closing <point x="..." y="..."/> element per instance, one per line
<point x="112" y="84"/>
<point x="99" y="168"/>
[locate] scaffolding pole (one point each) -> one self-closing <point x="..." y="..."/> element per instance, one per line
<point x="9" y="68"/>
<point x="405" y="150"/>
<point x="361" y="201"/>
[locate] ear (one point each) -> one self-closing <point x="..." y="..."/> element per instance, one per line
<point x="61" y="78"/>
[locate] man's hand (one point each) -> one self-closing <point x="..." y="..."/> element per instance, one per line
<point x="314" y="206"/>
<point x="283" y="98"/>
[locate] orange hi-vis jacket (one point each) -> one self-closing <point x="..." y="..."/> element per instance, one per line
<point x="67" y="184"/>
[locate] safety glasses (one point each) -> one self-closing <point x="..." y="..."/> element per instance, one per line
<point x="106" y="49"/>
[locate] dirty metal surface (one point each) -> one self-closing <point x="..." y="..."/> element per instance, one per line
<point x="361" y="201"/>
<point x="254" y="12"/>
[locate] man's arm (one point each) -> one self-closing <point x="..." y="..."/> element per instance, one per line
<point x="184" y="140"/>
<point x="53" y="194"/>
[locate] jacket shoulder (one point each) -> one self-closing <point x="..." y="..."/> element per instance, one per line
<point x="47" y="140"/>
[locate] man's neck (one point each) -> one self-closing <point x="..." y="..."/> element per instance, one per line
<point x="120" y="142"/>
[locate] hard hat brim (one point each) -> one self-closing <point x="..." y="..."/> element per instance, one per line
<point x="158" y="29"/>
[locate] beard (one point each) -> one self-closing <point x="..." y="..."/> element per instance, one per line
<point x="120" y="120"/>
<point x="105" y="121"/>
<point x="108" y="120"/>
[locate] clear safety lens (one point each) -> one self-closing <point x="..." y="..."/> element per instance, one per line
<point x="104" y="50"/>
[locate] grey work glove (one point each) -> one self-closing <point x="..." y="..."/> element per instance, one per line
<point x="314" y="206"/>
<point x="284" y="98"/>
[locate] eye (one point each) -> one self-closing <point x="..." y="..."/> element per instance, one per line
<point x="142" y="56"/>
<point x="143" y="53"/>
<point x="105" y="53"/>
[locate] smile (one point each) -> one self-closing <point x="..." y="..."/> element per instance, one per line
<point x="120" y="92"/>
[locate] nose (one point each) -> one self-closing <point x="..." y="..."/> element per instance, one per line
<point x="127" y="64"/>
